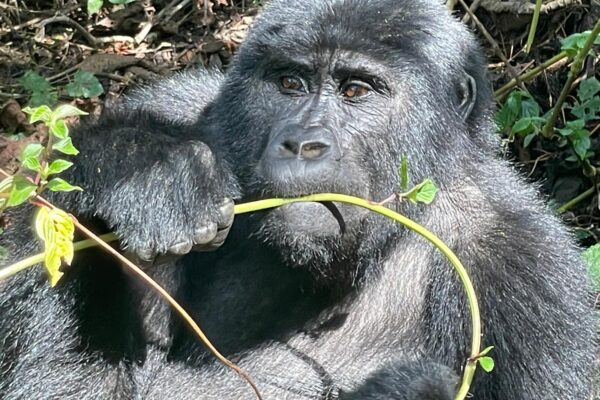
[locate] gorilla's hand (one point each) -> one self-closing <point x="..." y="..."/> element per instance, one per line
<point x="165" y="201"/>
<point x="407" y="381"/>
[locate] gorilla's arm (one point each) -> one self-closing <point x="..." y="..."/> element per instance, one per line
<point x="151" y="142"/>
<point x="74" y="335"/>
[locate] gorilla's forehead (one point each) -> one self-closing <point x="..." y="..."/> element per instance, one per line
<point x="409" y="29"/>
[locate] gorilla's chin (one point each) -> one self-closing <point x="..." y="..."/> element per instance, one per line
<point x="308" y="235"/>
<point x="312" y="219"/>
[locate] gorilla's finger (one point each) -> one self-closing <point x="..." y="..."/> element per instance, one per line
<point x="205" y="234"/>
<point x="226" y="212"/>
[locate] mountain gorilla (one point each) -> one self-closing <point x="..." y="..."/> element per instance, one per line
<point x="324" y="96"/>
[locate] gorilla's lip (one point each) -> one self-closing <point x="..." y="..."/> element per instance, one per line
<point x="312" y="216"/>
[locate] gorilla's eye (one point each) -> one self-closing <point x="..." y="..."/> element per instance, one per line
<point x="292" y="84"/>
<point x="354" y="89"/>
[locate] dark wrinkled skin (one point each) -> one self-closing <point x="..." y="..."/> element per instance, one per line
<point x="308" y="311"/>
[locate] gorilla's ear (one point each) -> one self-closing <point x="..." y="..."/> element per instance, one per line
<point x="467" y="95"/>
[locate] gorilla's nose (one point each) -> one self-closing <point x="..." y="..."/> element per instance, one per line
<point x="294" y="142"/>
<point x="307" y="150"/>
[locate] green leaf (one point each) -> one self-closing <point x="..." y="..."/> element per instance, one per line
<point x="528" y="139"/>
<point x="565" y="131"/>
<point x="60" y="185"/>
<point x="427" y="191"/>
<point x="509" y="111"/>
<point x="523" y="126"/>
<point x="56" y="228"/>
<point x="6" y="184"/>
<point x="403" y="172"/>
<point x="21" y="191"/>
<point x="58" y="166"/>
<point x="576" y="125"/>
<point x="592" y="258"/>
<point x="530" y="107"/>
<point x="41" y="98"/>
<point x="581" y="145"/>
<point x="65" y="146"/>
<point x="574" y="43"/>
<point x="32" y="163"/>
<point x="588" y="88"/>
<point x="84" y="84"/>
<point x="93" y="6"/>
<point x="32" y="150"/>
<point x="34" y="82"/>
<point x="36" y="114"/>
<point x="59" y="129"/>
<point x="65" y="111"/>
<point x="487" y="364"/>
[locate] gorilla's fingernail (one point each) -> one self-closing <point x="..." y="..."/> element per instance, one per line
<point x="205" y="233"/>
<point x="181" y="248"/>
<point x="146" y="254"/>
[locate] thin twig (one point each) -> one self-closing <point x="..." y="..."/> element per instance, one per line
<point x="579" y="198"/>
<point x="531" y="74"/>
<point x="511" y="70"/>
<point x="473" y="8"/>
<point x="534" y="24"/>
<point x="159" y="289"/>
<point x="67" y="20"/>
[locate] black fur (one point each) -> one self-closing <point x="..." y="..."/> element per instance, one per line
<point x="309" y="312"/>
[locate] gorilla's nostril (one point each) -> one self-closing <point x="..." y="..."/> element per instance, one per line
<point x="313" y="150"/>
<point x="289" y="148"/>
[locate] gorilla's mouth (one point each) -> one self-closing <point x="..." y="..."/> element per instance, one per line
<point x="316" y="219"/>
<point x="312" y="218"/>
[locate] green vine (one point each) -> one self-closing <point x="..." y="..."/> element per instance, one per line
<point x="476" y="354"/>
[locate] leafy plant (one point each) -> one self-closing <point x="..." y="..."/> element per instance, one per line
<point x="486" y="362"/>
<point x="40" y="89"/>
<point x="573" y="44"/>
<point x="84" y="84"/>
<point x="520" y="116"/>
<point x="53" y="225"/>
<point x="424" y="192"/>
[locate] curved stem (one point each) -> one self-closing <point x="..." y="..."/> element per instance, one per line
<point x="471" y="364"/>
<point x="463" y="275"/>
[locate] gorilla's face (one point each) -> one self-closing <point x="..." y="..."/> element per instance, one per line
<point x="332" y="107"/>
<point x="323" y="107"/>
